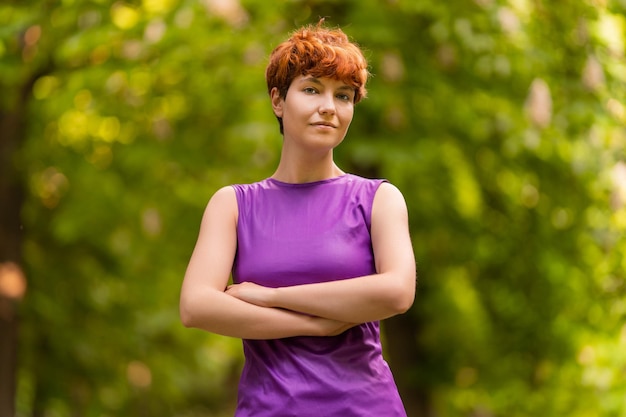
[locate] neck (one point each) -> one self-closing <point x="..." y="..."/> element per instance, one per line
<point x="306" y="169"/>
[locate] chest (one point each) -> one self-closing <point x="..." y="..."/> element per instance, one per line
<point x="282" y="243"/>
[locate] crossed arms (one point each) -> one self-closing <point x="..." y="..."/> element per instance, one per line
<point x="251" y="311"/>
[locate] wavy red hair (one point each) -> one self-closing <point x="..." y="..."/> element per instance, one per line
<point x="319" y="52"/>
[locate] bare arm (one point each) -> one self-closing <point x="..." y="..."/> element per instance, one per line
<point x="389" y="292"/>
<point x="205" y="305"/>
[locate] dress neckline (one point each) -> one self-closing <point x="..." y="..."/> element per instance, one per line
<point x="306" y="184"/>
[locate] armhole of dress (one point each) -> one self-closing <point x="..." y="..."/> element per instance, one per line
<point x="370" y="210"/>
<point x="238" y="200"/>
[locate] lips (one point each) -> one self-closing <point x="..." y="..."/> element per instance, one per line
<point x="326" y="124"/>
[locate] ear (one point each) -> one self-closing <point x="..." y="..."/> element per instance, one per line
<point x="277" y="102"/>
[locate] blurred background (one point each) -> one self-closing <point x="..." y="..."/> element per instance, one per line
<point x="502" y="121"/>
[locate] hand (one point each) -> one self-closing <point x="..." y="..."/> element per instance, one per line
<point x="333" y="327"/>
<point x="251" y="293"/>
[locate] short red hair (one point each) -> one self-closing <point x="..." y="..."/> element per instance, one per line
<point x="319" y="52"/>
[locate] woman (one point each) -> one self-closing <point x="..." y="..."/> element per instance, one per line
<point x="318" y="256"/>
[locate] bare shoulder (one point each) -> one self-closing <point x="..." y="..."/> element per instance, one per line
<point x="390" y="190"/>
<point x="222" y="204"/>
<point x="225" y="195"/>
<point x="389" y="200"/>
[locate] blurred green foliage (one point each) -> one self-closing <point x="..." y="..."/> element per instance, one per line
<point x="502" y="121"/>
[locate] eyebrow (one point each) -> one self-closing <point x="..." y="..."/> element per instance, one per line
<point x="317" y="81"/>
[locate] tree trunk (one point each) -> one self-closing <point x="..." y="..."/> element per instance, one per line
<point x="404" y="355"/>
<point x="10" y="258"/>
<point x="8" y="357"/>
<point x="12" y="280"/>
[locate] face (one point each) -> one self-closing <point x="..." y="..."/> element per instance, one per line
<point x="316" y="112"/>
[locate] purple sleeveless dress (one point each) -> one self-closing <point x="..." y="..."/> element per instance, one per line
<point x="290" y="234"/>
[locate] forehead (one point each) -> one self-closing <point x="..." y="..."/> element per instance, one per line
<point x="322" y="81"/>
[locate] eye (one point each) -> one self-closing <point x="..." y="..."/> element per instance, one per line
<point x="309" y="90"/>
<point x="344" y="97"/>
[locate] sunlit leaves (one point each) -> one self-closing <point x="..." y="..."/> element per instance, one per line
<point x="468" y="199"/>
<point x="45" y="86"/>
<point x="501" y="121"/>
<point x="124" y="16"/>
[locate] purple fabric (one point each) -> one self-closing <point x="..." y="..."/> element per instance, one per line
<point x="291" y="234"/>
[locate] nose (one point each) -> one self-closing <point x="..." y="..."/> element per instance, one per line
<point x="327" y="104"/>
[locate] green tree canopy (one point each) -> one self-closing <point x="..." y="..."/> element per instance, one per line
<point x="502" y="121"/>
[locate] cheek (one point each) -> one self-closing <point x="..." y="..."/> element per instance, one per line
<point x="347" y="115"/>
